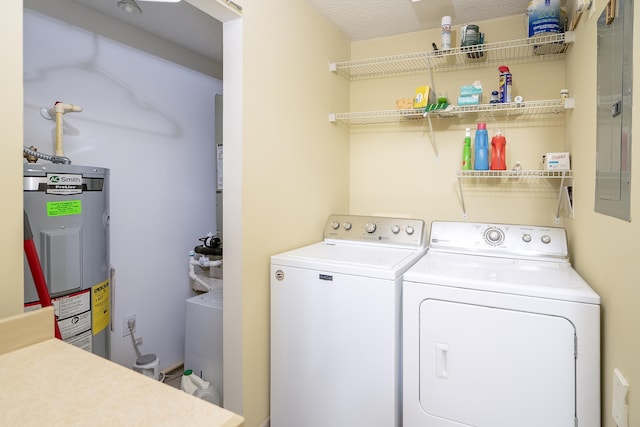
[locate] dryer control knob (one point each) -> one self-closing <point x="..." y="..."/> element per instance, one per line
<point x="545" y="239"/>
<point x="526" y="238"/>
<point x="370" y="227"/>
<point x="335" y="225"/>
<point x="409" y="229"/>
<point x="494" y="236"/>
<point x="347" y="226"/>
<point x="395" y="229"/>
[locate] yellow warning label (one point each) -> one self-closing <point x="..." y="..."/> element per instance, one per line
<point x="101" y="306"/>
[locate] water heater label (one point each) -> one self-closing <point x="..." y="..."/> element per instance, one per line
<point x="64" y="183"/>
<point x="67" y="207"/>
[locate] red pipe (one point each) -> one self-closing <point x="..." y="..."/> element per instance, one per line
<point x="36" y="271"/>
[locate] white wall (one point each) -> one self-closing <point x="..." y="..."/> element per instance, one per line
<point x="151" y="122"/>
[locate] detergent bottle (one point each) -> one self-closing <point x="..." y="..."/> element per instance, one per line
<point x="498" y="152"/>
<point x="481" y="161"/>
<point x="466" y="150"/>
<point x="196" y="386"/>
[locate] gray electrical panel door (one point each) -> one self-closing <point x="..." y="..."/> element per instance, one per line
<point x="615" y="78"/>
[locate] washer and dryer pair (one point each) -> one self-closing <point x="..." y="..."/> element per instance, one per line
<point x="491" y="328"/>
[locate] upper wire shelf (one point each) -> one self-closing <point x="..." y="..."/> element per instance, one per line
<point x="543" y="46"/>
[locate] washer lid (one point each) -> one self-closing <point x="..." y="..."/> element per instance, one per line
<point x="543" y="279"/>
<point x="357" y="259"/>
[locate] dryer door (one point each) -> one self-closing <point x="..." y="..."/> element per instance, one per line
<point x="493" y="367"/>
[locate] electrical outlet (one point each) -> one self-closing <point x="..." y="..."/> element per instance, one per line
<point x="125" y="324"/>
<point x="619" y="407"/>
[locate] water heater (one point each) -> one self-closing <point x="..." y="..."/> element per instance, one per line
<point x="68" y="210"/>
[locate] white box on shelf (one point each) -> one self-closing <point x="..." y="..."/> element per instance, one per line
<point x="557" y="161"/>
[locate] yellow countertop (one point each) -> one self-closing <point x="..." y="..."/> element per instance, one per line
<point x="51" y="383"/>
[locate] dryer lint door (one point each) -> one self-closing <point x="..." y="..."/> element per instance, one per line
<point x="495" y="367"/>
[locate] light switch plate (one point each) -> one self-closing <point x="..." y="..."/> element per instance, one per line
<point x="619" y="407"/>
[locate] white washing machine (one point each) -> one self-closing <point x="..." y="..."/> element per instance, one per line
<point x="499" y="331"/>
<point x="335" y="324"/>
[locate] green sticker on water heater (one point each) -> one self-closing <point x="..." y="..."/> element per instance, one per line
<point x="63" y="208"/>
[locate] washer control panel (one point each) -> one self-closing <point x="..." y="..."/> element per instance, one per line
<point x="506" y="240"/>
<point x="377" y="230"/>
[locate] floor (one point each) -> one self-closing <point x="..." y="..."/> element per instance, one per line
<point x="173" y="378"/>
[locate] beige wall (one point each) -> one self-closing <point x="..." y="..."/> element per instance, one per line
<point x="394" y="169"/>
<point x="605" y="249"/>
<point x="294" y="162"/>
<point x="11" y="243"/>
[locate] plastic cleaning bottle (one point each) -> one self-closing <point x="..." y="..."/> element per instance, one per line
<point x="466" y="150"/>
<point x="196" y="386"/>
<point x="498" y="152"/>
<point x="504" y="83"/>
<point x="481" y="161"/>
<point x="446" y="33"/>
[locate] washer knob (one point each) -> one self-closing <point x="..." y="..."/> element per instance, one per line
<point x="526" y="238"/>
<point x="545" y="239"/>
<point x="370" y="227"/>
<point x="395" y="229"/>
<point x="494" y="236"/>
<point x="409" y="229"/>
<point x="335" y="225"/>
<point x="347" y="226"/>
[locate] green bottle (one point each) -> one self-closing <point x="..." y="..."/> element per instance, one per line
<point x="466" y="150"/>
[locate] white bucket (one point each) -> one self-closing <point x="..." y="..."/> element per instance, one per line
<point x="148" y="365"/>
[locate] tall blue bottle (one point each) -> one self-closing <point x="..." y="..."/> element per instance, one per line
<point x="481" y="161"/>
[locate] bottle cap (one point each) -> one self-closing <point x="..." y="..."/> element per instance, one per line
<point x="503" y="69"/>
<point x="467" y="132"/>
<point x="446" y="20"/>
<point x="482" y="125"/>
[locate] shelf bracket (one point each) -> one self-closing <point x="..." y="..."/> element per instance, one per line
<point x="560" y="198"/>
<point x="433" y="136"/>
<point x="464" y="209"/>
<point x="426" y="113"/>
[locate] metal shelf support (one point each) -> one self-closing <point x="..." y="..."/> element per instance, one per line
<point x="563" y="175"/>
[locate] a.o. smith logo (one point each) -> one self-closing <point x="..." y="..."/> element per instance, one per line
<point x="64" y="183"/>
<point x="65" y="179"/>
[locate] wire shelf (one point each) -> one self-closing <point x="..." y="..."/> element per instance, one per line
<point x="375" y="117"/>
<point x="545" y="46"/>
<point x="515" y="174"/>
<point x="551" y="106"/>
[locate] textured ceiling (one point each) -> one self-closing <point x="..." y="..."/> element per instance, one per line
<point x="186" y="26"/>
<point x="179" y="23"/>
<point x="367" y="19"/>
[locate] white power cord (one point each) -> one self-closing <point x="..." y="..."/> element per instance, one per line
<point x="131" y="323"/>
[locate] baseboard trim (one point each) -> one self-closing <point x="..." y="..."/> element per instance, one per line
<point x="172" y="367"/>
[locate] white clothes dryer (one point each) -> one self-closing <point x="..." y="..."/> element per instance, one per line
<point x="499" y="331"/>
<point x="335" y="324"/>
